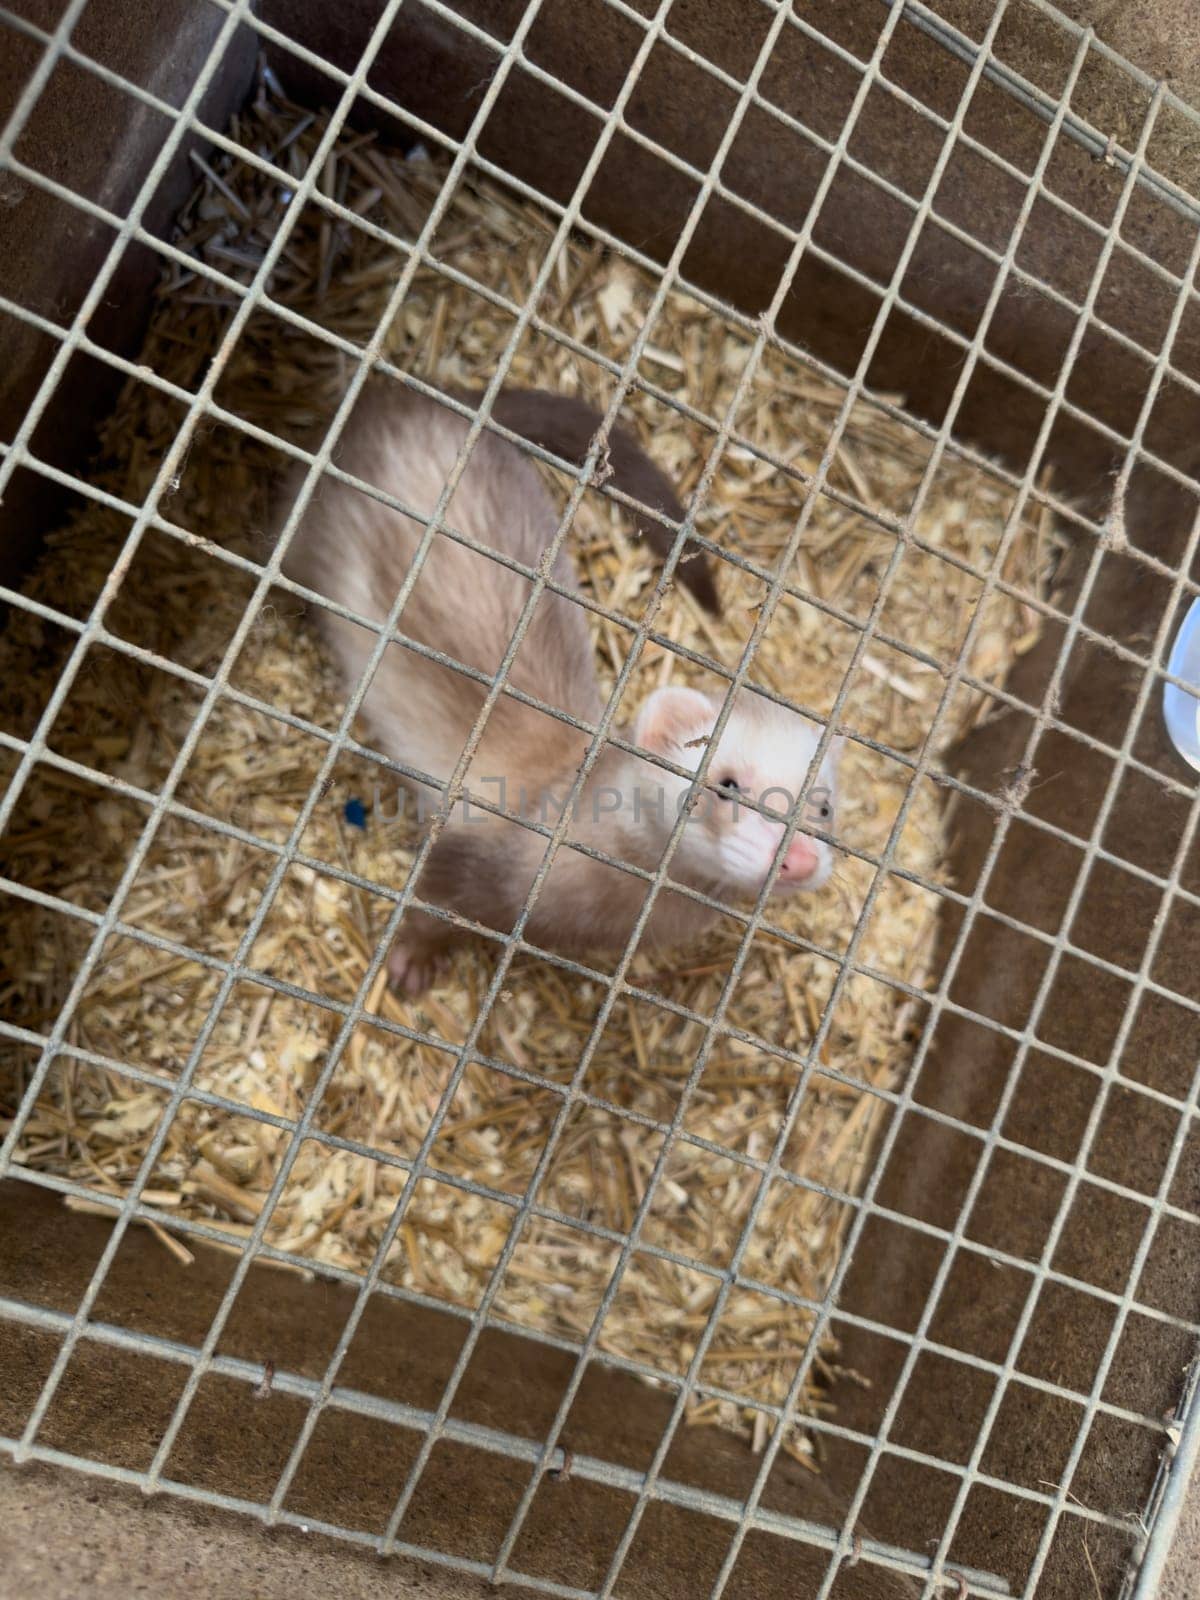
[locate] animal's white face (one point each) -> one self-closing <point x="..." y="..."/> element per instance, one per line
<point x="763" y="756"/>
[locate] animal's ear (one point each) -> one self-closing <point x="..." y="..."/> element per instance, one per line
<point x="670" y="717"/>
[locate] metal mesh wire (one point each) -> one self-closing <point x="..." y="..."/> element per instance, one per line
<point x="746" y="1514"/>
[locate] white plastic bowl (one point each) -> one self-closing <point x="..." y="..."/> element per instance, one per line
<point x="1181" y="709"/>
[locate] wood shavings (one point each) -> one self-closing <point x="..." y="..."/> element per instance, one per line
<point x="266" y="1049"/>
<point x="617" y="296"/>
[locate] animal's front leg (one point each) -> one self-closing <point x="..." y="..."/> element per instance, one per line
<point x="462" y="874"/>
<point x="420" y="952"/>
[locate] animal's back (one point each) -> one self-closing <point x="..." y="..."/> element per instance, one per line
<point x="359" y="552"/>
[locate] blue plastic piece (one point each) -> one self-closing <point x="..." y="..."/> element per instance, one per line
<point x="1181" y="709"/>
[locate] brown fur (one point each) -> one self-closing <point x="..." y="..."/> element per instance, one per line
<point x="463" y="603"/>
<point x="567" y="427"/>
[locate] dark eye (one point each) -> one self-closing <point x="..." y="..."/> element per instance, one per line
<point x="821" y="804"/>
<point x="728" y="788"/>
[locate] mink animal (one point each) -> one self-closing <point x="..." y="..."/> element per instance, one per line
<point x="463" y="604"/>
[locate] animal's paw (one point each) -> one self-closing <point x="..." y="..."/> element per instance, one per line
<point x="412" y="968"/>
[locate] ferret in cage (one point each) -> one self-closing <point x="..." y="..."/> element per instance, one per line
<point x="463" y="607"/>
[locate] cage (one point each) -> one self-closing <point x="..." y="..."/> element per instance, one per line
<point x="851" y="1254"/>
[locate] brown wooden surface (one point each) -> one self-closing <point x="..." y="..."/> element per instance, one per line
<point x="100" y="144"/>
<point x="113" y="1406"/>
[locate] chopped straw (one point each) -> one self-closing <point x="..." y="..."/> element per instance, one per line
<point x="145" y="1006"/>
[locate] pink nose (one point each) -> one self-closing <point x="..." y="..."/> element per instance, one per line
<point x="801" y="859"/>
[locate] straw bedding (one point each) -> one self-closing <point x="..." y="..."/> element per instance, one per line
<point x="142" y="1005"/>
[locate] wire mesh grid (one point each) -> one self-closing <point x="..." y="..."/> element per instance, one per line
<point x="935" y="1571"/>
